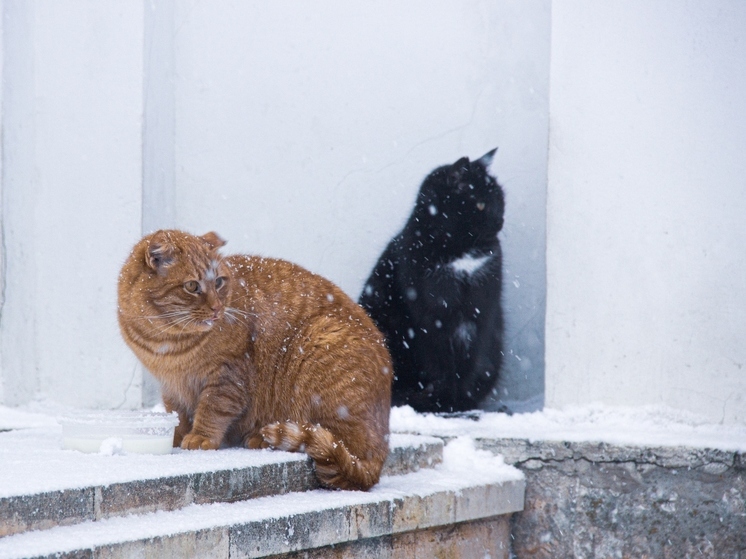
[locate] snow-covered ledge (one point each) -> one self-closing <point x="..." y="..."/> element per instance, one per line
<point x="600" y="481"/>
<point x="432" y="499"/>
<point x="614" y="482"/>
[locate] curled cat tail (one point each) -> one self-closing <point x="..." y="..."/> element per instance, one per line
<point x="336" y="467"/>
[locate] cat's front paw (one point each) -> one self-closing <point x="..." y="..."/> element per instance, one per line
<point x="192" y="441"/>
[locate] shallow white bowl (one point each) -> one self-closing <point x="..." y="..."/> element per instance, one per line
<point x="110" y="432"/>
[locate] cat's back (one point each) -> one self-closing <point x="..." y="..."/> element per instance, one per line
<point x="270" y="276"/>
<point x="282" y="290"/>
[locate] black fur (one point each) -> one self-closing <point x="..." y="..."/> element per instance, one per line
<point x="444" y="327"/>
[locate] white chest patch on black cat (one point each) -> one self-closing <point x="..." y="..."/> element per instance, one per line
<point x="465" y="333"/>
<point x="468" y="264"/>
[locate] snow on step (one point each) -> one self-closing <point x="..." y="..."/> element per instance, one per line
<point x="470" y="484"/>
<point x="55" y="469"/>
<point x="643" y="426"/>
<point x="93" y="487"/>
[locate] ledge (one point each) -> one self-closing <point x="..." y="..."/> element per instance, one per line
<point x="113" y="492"/>
<point x="468" y="488"/>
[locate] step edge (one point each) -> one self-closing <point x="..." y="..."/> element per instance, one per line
<point x="406" y="512"/>
<point x="289" y="473"/>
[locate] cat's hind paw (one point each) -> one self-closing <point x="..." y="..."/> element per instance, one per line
<point x="286" y="435"/>
<point x="255" y="442"/>
<point x="192" y="441"/>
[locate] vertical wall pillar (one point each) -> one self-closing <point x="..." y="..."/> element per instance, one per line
<point x="645" y="267"/>
<point x="2" y="248"/>
<point x="19" y="195"/>
<point x="158" y="204"/>
<point x="158" y="200"/>
<point x="72" y="174"/>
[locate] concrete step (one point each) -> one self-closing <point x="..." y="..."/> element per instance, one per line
<point x="263" y="473"/>
<point x="459" y="508"/>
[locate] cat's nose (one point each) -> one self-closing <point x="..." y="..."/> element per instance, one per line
<point x="217" y="309"/>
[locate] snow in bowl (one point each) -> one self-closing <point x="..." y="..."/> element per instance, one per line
<point x="112" y="432"/>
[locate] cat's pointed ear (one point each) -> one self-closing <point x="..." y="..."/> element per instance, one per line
<point x="486" y="160"/>
<point x="457" y="171"/>
<point x="161" y="252"/>
<point x="213" y="240"/>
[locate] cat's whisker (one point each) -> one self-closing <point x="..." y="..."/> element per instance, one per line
<point x="234" y="310"/>
<point x="231" y="317"/>
<point x="184" y="321"/>
<point x="175" y="317"/>
<point x="187" y="323"/>
<point x="166" y="314"/>
<point x="245" y="314"/>
<point x="234" y="315"/>
<point x="174" y="314"/>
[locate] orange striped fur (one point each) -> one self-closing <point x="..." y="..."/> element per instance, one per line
<point x="258" y="352"/>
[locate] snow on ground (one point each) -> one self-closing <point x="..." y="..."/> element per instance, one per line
<point x="638" y="426"/>
<point x="463" y="466"/>
<point x="13" y="418"/>
<point x="33" y="460"/>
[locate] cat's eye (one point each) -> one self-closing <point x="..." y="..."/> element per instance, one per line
<point x="219" y="282"/>
<point x="192" y="286"/>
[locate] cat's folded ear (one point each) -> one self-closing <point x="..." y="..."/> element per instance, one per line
<point x="213" y="240"/>
<point x="457" y="171"/>
<point x="486" y="160"/>
<point x="161" y="252"/>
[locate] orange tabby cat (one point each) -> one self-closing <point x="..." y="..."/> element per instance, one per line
<point x="258" y="352"/>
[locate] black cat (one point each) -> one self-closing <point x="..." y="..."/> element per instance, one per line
<point x="435" y="291"/>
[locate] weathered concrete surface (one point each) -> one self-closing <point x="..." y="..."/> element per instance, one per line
<point x="324" y="528"/>
<point x="591" y="500"/>
<point x="468" y="522"/>
<point x="45" y="510"/>
<point x="206" y="544"/>
<point x="222" y="486"/>
<point x="478" y="539"/>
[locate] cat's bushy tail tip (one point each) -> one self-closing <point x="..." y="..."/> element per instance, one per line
<point x="336" y="467"/>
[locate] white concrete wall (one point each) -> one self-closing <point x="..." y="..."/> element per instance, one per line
<point x="646" y="267"/>
<point x="2" y="232"/>
<point x="294" y="130"/>
<point x="71" y="169"/>
<point x="303" y="131"/>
